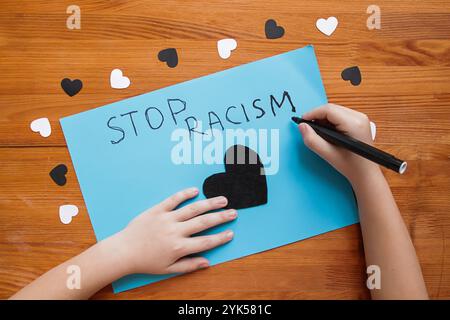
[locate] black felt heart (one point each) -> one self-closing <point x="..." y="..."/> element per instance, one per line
<point x="243" y="183"/>
<point x="169" y="56"/>
<point x="352" y="74"/>
<point x="272" y="30"/>
<point x="71" y="87"/>
<point x="58" y="174"/>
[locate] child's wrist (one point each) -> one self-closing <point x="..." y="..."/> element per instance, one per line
<point x="115" y="252"/>
<point x="365" y="175"/>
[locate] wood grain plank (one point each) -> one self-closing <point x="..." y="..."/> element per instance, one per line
<point x="405" y="90"/>
<point x="190" y="19"/>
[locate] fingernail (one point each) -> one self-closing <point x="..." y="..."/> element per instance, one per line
<point x="232" y="214"/>
<point x="193" y="190"/>
<point x="221" y="201"/>
<point x="302" y="128"/>
<point x="203" y="265"/>
<point x="229" y="235"/>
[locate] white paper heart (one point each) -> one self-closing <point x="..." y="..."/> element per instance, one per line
<point x="41" y="125"/>
<point x="373" y="130"/>
<point x="327" y="26"/>
<point x="66" y="212"/>
<point x="118" y="80"/>
<point x="225" y="46"/>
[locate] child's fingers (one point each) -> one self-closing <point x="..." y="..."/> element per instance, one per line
<point x="185" y="265"/>
<point x="203" y="243"/>
<point x="199" y="207"/>
<point x="176" y="199"/>
<point x="316" y="143"/>
<point x="207" y="221"/>
<point x="332" y="113"/>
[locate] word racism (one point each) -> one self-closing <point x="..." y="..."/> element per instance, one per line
<point x="157" y="117"/>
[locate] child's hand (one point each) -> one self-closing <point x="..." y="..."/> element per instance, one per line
<point x="350" y="122"/>
<point x="158" y="240"/>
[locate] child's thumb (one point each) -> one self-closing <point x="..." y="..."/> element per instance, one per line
<point x="316" y="143"/>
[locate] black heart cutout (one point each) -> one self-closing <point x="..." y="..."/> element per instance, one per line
<point x="71" y="87"/>
<point x="352" y="74"/>
<point x="243" y="183"/>
<point x="272" y="30"/>
<point x="169" y="56"/>
<point x="58" y="174"/>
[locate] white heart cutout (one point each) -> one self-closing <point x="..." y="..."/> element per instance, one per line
<point x="118" y="80"/>
<point x="66" y="212"/>
<point x="373" y="130"/>
<point x="41" y="125"/>
<point x="225" y="46"/>
<point x="327" y="26"/>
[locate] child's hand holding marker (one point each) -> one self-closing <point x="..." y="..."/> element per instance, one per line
<point x="350" y="122"/>
<point x="387" y="244"/>
<point x="325" y="124"/>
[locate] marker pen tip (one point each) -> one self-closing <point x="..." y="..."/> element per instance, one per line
<point x="297" y="120"/>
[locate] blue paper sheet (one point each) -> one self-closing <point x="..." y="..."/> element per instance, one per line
<point x="123" y="173"/>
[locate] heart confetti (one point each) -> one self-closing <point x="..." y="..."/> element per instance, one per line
<point x="169" y="56"/>
<point x="58" y="174"/>
<point x="273" y="31"/>
<point x="327" y="26"/>
<point x="71" y="87"/>
<point x="352" y="74"/>
<point x="67" y="212"/>
<point x="225" y="46"/>
<point x="118" y="80"/>
<point x="41" y="125"/>
<point x="373" y="130"/>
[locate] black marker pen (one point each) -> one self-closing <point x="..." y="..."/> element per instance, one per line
<point x="363" y="149"/>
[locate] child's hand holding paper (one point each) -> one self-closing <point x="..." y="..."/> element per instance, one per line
<point x="155" y="242"/>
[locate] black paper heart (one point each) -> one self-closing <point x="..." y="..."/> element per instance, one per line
<point x="353" y="74"/>
<point x="272" y="30"/>
<point x="243" y="183"/>
<point x="58" y="174"/>
<point x="71" y="87"/>
<point x="169" y="56"/>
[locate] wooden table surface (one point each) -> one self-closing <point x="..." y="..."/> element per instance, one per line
<point x="405" y="91"/>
